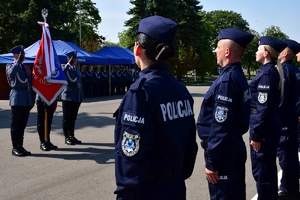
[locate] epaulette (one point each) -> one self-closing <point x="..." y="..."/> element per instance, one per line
<point x="267" y="71"/>
<point x="226" y="77"/>
<point x="137" y="84"/>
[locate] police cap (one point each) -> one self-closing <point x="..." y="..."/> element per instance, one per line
<point x="72" y="54"/>
<point x="17" y="49"/>
<point x="159" y="28"/>
<point x="293" y="45"/>
<point x="275" y="43"/>
<point x="241" y="37"/>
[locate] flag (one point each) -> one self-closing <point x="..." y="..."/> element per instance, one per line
<point x="48" y="78"/>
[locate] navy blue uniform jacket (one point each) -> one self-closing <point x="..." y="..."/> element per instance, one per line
<point x="265" y="95"/>
<point x="155" y="130"/>
<point x="73" y="91"/>
<point x="19" y="78"/>
<point x="224" y="114"/>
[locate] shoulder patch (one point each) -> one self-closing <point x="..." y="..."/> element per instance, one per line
<point x="221" y="114"/>
<point x="130" y="144"/>
<point x="262" y="97"/>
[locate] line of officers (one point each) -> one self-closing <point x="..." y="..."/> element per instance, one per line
<point x="95" y="80"/>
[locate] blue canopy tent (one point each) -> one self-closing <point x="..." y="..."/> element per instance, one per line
<point x="117" y="55"/>
<point x="61" y="48"/>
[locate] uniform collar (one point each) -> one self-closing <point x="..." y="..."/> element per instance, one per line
<point x="230" y="66"/>
<point x="269" y="64"/>
<point x="155" y="67"/>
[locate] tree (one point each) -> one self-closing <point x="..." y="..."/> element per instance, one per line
<point x="18" y="21"/>
<point x="249" y="61"/>
<point x="274" y="31"/>
<point x="125" y="39"/>
<point x="185" y="13"/>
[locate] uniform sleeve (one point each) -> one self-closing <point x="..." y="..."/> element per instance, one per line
<point x="134" y="138"/>
<point x="12" y="69"/>
<point x="220" y="133"/>
<point x="190" y="153"/>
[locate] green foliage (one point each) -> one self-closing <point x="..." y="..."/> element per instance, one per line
<point x="18" y="22"/>
<point x="274" y="31"/>
<point x="185" y="13"/>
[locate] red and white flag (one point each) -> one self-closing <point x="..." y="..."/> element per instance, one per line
<point x="48" y="78"/>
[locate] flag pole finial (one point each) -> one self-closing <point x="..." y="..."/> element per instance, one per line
<point x="44" y="14"/>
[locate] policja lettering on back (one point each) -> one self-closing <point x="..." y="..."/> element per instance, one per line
<point x="176" y="109"/>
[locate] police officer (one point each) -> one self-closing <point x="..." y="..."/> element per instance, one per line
<point x="123" y="79"/>
<point x="83" y="79"/>
<point x="113" y="81"/>
<point x="288" y="144"/>
<point x="42" y="110"/>
<point x="224" y="118"/>
<point x="71" y="97"/>
<point x="129" y="77"/>
<point x="155" y="133"/>
<point x="97" y="82"/>
<point x="265" y="125"/>
<point x="104" y="82"/>
<point x="89" y="81"/>
<point x="21" y="99"/>
<point x="118" y="80"/>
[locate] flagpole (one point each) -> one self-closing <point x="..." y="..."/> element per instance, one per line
<point x="46" y="136"/>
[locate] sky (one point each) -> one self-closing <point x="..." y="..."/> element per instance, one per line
<point x="260" y="14"/>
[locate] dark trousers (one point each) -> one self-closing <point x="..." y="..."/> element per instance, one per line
<point x="264" y="170"/>
<point x="232" y="184"/>
<point x="287" y="153"/>
<point x="43" y="108"/>
<point x="19" y="118"/>
<point x="70" y="111"/>
<point x="169" y="188"/>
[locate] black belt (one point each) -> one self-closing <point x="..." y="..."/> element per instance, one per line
<point x="167" y="173"/>
<point x="204" y="143"/>
<point x="21" y="88"/>
<point x="253" y="111"/>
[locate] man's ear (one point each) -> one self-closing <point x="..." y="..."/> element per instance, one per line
<point x="227" y="52"/>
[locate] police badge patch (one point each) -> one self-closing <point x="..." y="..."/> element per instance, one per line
<point x="221" y="114"/>
<point x="130" y="144"/>
<point x="262" y="97"/>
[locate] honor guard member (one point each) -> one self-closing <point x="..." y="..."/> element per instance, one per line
<point x="89" y="81"/>
<point x="113" y="81"/>
<point x="42" y="110"/>
<point x="265" y="125"/>
<point x="21" y="99"/>
<point x="71" y="97"/>
<point x="129" y="78"/>
<point x="224" y="119"/>
<point x="83" y="80"/>
<point x="104" y="82"/>
<point x="287" y="151"/>
<point x="97" y="82"/>
<point x="155" y="132"/>
<point x="118" y="80"/>
<point x="123" y="79"/>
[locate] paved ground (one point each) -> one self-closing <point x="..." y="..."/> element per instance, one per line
<point x="83" y="171"/>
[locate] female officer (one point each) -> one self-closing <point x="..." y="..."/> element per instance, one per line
<point x="155" y="133"/>
<point x="265" y="125"/>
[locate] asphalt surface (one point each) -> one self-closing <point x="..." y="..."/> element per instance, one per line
<point x="83" y="171"/>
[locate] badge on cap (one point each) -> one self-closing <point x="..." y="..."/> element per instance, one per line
<point x="221" y="114"/>
<point x="262" y="97"/>
<point x="130" y="144"/>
